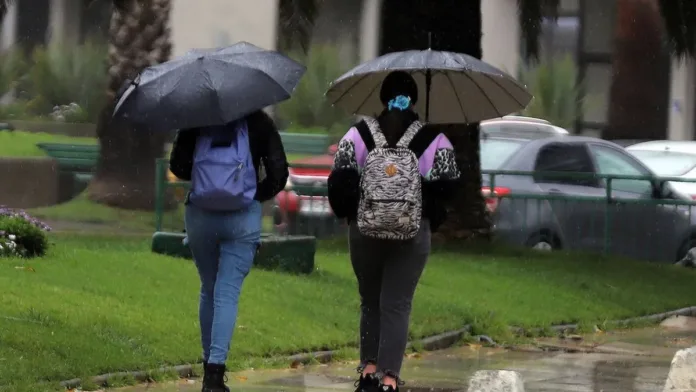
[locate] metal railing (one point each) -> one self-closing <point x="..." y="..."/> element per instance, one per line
<point x="304" y="209"/>
<point x="619" y="208"/>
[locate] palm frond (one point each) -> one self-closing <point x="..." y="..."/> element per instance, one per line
<point x="532" y="13"/>
<point x="680" y="25"/>
<point x="308" y="107"/>
<point x="4" y="6"/>
<point x="296" y="23"/>
<point x="557" y="92"/>
<point x="120" y="5"/>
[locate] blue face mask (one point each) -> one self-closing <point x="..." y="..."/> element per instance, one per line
<point x="400" y="102"/>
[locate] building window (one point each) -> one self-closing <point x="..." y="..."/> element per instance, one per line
<point x="597" y="83"/>
<point x="595" y="48"/>
<point x="598" y="20"/>
<point x="569" y="7"/>
<point x="551" y="76"/>
<point x="559" y="37"/>
<point x="583" y="29"/>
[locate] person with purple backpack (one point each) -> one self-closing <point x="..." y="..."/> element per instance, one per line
<point x="232" y="169"/>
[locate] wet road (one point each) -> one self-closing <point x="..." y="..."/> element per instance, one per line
<point x="636" y="361"/>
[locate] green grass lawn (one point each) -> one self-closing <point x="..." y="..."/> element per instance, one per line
<point x="23" y="144"/>
<point x="97" y="304"/>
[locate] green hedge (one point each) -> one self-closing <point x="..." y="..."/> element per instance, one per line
<point x="21" y="238"/>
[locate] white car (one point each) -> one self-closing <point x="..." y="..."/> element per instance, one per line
<point x="519" y="126"/>
<point x="670" y="158"/>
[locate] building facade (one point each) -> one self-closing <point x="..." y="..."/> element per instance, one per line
<point x="584" y="29"/>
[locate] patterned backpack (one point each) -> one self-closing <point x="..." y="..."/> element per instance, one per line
<point x="390" y="187"/>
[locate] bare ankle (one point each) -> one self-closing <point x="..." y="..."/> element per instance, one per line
<point x="390" y="381"/>
<point x="369" y="369"/>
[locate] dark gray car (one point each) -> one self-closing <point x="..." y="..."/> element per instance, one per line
<point x="638" y="225"/>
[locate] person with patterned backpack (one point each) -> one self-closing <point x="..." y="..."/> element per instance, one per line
<point x="390" y="179"/>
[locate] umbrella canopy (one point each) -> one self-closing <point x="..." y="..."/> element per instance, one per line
<point x="209" y="87"/>
<point x="452" y="87"/>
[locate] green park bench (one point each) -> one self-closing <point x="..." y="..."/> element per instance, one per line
<point x="81" y="159"/>
<point x="76" y="163"/>
<point x="305" y="143"/>
<point x="291" y="254"/>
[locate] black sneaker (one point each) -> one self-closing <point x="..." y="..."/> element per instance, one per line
<point x="368" y="383"/>
<point x="387" y="388"/>
<point x="214" y="378"/>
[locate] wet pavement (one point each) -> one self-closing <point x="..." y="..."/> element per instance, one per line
<point x="631" y="361"/>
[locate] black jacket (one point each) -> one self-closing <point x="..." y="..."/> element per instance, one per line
<point x="266" y="151"/>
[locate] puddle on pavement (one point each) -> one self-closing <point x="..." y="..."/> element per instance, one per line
<point x="660" y="337"/>
<point x="641" y="368"/>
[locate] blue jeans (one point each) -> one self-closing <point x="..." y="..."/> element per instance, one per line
<point x="223" y="247"/>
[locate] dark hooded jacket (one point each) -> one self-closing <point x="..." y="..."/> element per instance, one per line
<point x="266" y="151"/>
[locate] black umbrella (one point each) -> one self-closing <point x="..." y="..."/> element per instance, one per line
<point x="209" y="87"/>
<point x="457" y="88"/>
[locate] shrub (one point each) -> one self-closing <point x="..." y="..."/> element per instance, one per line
<point x="21" y="237"/>
<point x="17" y="110"/>
<point x="72" y="113"/>
<point x="12" y="65"/>
<point x="557" y="93"/>
<point x="68" y="75"/>
<point x="6" y="212"/>
<point x="308" y="108"/>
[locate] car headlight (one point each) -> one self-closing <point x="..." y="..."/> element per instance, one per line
<point x="288" y="184"/>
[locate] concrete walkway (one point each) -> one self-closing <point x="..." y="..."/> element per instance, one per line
<point x="635" y="361"/>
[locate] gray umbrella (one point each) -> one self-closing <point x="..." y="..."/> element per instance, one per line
<point x="209" y="87"/>
<point x="452" y="87"/>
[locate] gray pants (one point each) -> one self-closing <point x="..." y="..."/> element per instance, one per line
<point x="387" y="273"/>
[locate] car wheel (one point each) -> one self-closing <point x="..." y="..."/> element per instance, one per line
<point x="543" y="242"/>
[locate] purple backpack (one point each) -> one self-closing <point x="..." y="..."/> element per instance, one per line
<point x="223" y="177"/>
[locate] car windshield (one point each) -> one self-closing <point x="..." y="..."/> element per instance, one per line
<point x="494" y="152"/>
<point x="665" y="163"/>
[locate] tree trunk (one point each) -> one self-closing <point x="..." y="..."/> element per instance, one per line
<point x="454" y="26"/>
<point x="639" y="95"/>
<point x="125" y="177"/>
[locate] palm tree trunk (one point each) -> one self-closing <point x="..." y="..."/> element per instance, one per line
<point x="454" y="26"/>
<point x="639" y="94"/>
<point x="467" y="215"/>
<point x="125" y="176"/>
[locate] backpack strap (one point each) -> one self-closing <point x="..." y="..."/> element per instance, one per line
<point x="365" y="135"/>
<point x="376" y="132"/>
<point x="224" y="135"/>
<point x="422" y="140"/>
<point x="410" y="133"/>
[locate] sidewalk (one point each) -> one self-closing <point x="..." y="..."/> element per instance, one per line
<point x="633" y="361"/>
